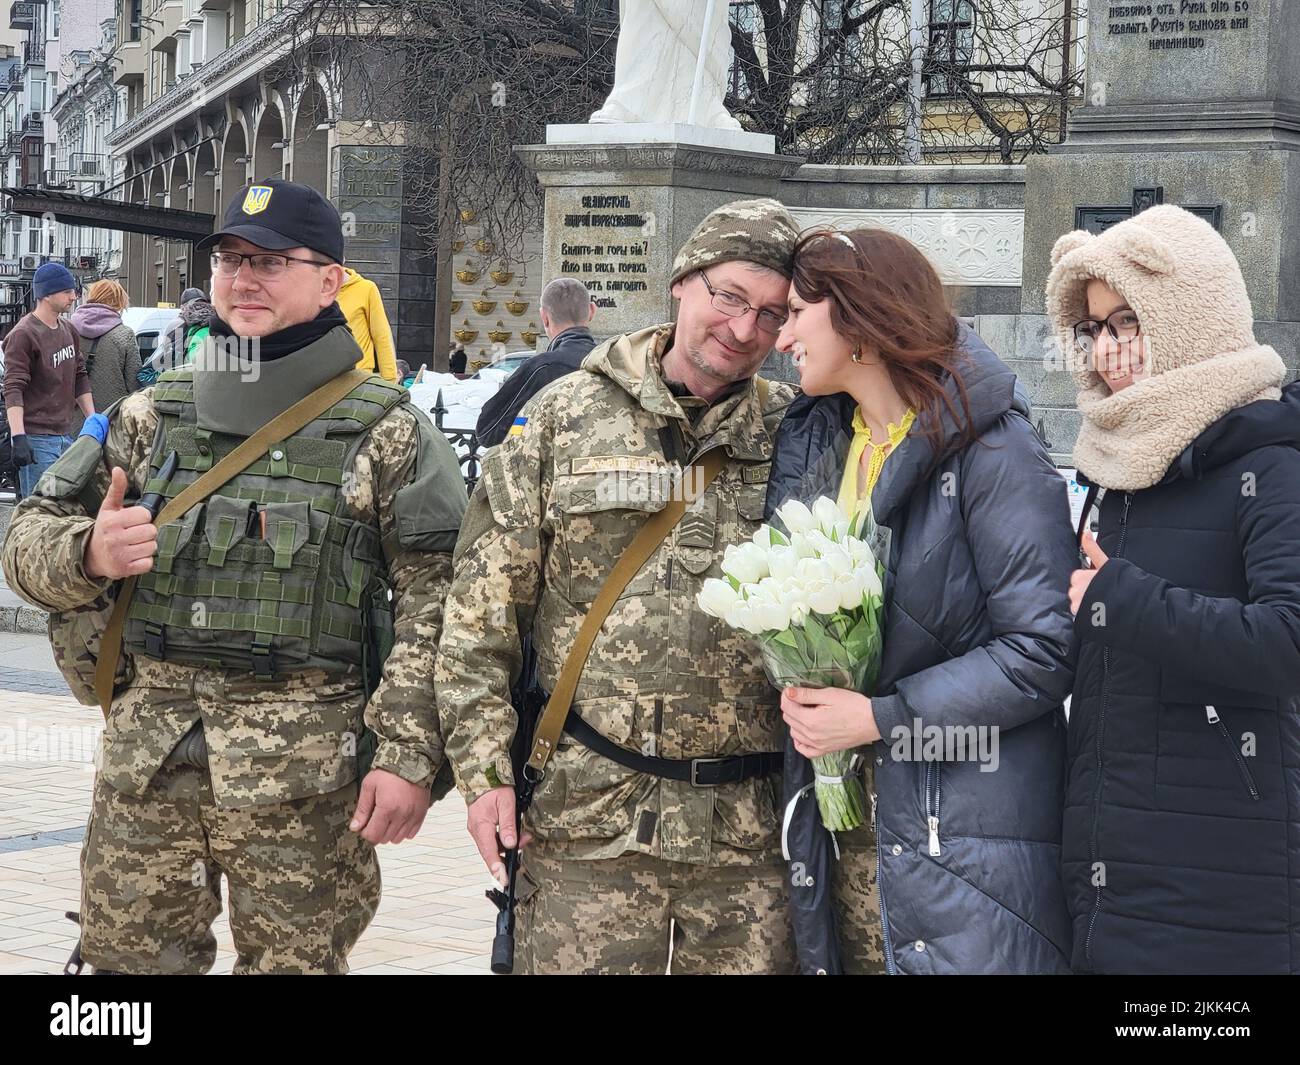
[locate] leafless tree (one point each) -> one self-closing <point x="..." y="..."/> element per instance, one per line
<point x="461" y="82"/>
<point x="842" y="81"/>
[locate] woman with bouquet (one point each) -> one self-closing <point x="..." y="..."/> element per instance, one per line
<point x="906" y="412"/>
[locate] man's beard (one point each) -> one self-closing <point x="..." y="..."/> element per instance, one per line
<point x="697" y="358"/>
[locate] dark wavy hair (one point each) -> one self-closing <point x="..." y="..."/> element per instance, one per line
<point x="886" y="297"/>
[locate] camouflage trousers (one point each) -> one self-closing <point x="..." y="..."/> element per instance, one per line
<point x="302" y="886"/>
<point x="624" y="915"/>
<point x="857" y="903"/>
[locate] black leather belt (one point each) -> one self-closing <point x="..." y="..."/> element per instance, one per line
<point x="698" y="772"/>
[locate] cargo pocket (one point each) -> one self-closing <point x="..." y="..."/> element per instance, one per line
<point x="174" y="537"/>
<point x="288" y="528"/>
<point x="225" y="524"/>
<point x="601" y="513"/>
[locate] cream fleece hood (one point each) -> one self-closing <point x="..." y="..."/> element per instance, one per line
<point x="1182" y="280"/>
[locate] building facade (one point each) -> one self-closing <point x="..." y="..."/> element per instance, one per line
<point x="218" y="96"/>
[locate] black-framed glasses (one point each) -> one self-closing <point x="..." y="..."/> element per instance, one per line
<point x="733" y="306"/>
<point x="1122" y="324"/>
<point x="266" y="266"/>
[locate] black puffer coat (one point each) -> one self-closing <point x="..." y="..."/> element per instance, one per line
<point x="977" y="633"/>
<point x="1182" y="821"/>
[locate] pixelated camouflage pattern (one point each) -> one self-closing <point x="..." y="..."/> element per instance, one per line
<point x="616" y="916"/>
<point x="857" y="900"/>
<point x="302" y="886"/>
<point x="556" y="506"/>
<point x="263" y="746"/>
<point x="759" y="231"/>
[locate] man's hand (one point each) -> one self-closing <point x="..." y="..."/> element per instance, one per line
<point x="124" y="539"/>
<point x="22" y="450"/>
<point x="491" y="824"/>
<point x="825" y="720"/>
<point x="389" y="809"/>
<point x="1081" y="578"/>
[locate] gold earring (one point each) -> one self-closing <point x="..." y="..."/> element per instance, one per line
<point x="857" y="356"/>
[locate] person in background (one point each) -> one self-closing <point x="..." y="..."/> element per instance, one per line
<point x="458" y="360"/>
<point x="361" y="303"/>
<point x="404" y="374"/>
<point x="1181" y="847"/>
<point x="179" y="340"/>
<point x="111" y="349"/>
<point x="45" y="376"/>
<point x="567" y="311"/>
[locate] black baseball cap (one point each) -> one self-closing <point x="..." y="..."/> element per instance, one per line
<point x="276" y="215"/>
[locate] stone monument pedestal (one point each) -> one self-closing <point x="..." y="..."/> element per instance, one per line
<point x="660" y="133"/>
<point x="616" y="212"/>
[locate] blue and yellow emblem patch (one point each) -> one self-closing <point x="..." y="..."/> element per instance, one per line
<point x="257" y="199"/>
<point x="517" y="429"/>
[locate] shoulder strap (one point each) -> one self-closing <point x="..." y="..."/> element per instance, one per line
<point x="282" y="426"/>
<point x="646" y="542"/>
<point x="763" y="388"/>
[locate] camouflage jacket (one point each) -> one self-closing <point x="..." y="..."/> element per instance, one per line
<point x="559" y="501"/>
<point x="277" y="740"/>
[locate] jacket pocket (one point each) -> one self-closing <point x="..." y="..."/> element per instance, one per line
<point x="1216" y="722"/>
<point x="600" y="514"/>
<point x="1207" y="740"/>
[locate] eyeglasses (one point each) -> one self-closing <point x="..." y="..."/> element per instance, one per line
<point x="733" y="306"/>
<point x="1121" y="324"/>
<point x="266" y="267"/>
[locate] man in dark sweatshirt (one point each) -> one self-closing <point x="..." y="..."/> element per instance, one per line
<point x="567" y="311"/>
<point x="45" y="376"/>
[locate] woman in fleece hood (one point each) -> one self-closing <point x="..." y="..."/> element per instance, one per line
<point x="1182" y="819"/>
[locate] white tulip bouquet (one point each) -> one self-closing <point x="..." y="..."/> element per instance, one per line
<point x="813" y="599"/>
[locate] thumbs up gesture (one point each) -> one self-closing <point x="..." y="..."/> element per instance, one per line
<point x="124" y="539"/>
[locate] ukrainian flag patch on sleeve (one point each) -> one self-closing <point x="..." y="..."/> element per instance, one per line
<point x="517" y="429"/>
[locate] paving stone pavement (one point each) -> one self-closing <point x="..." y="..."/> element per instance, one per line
<point x="433" y="917"/>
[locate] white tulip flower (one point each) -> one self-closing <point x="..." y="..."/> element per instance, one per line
<point x="796" y="517"/>
<point x="747" y="563"/>
<point x="802" y="546"/>
<point x="741" y="616"/>
<point x="770" y="616"/>
<point x="851" y="591"/>
<point x="870" y="579"/>
<point x="809" y="571"/>
<point x="717" y="597"/>
<point x="840" y="562"/>
<point x="781" y="562"/>
<point x="827" y="514"/>
<point x="824" y="597"/>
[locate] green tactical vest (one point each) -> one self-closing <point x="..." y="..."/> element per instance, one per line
<point x="266" y="575"/>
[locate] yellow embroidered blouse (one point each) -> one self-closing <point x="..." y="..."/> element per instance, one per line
<point x="851" y="499"/>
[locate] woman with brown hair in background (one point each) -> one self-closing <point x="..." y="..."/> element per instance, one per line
<point x="111" y="349"/>
<point x="908" y="413"/>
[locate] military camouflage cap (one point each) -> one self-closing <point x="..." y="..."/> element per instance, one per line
<point x="755" y="231"/>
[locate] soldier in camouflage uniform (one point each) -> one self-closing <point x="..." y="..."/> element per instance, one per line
<point x="619" y="854"/>
<point x="248" y="623"/>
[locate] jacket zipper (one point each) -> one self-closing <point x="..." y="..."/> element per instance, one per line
<point x="932" y="811"/>
<point x="1101" y="728"/>
<point x="890" y="967"/>
<point x="1212" y="716"/>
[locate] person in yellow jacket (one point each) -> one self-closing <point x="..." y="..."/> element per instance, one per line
<point x="364" y="307"/>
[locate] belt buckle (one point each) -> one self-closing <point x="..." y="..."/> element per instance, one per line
<point x="695" y="775"/>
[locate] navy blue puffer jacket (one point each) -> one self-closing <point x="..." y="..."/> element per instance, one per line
<point x="1182" y="821"/>
<point x="977" y="633"/>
